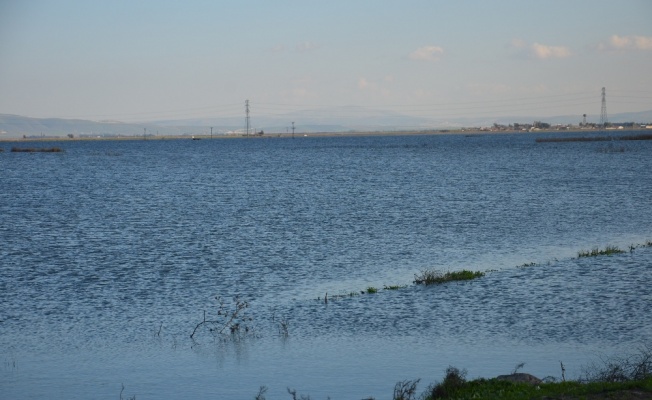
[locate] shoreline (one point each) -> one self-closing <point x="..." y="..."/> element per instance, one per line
<point x="434" y="132"/>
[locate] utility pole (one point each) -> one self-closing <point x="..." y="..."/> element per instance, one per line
<point x="247" y="116"/>
<point x="603" y="111"/>
<point x="211" y="132"/>
<point x="292" y="129"/>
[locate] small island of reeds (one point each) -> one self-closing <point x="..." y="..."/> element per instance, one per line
<point x="596" y="251"/>
<point x="435" y="277"/>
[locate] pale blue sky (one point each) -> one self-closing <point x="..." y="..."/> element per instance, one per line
<point x="145" y="60"/>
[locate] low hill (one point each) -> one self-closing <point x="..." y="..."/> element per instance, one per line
<point x="335" y="119"/>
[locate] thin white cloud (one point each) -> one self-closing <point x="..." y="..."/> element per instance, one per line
<point x="518" y="43"/>
<point x="487" y="88"/>
<point x="632" y="42"/>
<point x="542" y="51"/>
<point x="304" y="47"/>
<point x="278" y="48"/>
<point x="376" y="87"/>
<point x="484" y="89"/>
<point x="643" y="42"/>
<point x="427" y="53"/>
<point x="537" y="50"/>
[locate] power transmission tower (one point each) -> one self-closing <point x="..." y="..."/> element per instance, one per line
<point x="603" y="111"/>
<point x="247" y="113"/>
<point x="293" y="130"/>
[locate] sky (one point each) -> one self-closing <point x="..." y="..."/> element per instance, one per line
<point x="146" y="60"/>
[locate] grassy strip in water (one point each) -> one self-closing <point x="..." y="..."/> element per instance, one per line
<point x="435" y="277"/>
<point x="394" y="287"/>
<point x="607" y="251"/>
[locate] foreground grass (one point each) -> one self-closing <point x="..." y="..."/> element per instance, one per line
<point x="628" y="377"/>
<point x="456" y="387"/>
<point x="620" y="378"/>
<point x="497" y="389"/>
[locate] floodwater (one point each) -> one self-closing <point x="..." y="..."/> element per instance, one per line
<point x="111" y="252"/>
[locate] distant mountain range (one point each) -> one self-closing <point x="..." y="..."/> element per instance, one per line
<point x="336" y="119"/>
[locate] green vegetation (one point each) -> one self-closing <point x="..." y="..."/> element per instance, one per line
<point x="620" y="378"/>
<point x="394" y="287"/>
<point x="36" y="150"/>
<point x="609" y="250"/>
<point x="499" y="389"/>
<point x="433" y="277"/>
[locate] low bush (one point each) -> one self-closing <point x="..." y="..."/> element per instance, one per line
<point x="231" y="321"/>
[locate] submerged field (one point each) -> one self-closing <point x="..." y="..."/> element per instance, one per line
<point x="115" y="251"/>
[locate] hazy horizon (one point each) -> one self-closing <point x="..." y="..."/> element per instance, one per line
<point x="155" y="60"/>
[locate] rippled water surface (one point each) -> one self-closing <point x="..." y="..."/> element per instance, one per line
<point x="111" y="251"/>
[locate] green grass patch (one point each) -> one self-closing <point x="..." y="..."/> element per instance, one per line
<point x="394" y="287"/>
<point x="496" y="389"/>
<point x="435" y="277"/>
<point x="596" y="251"/>
<point x="626" y="377"/>
<point x="371" y="290"/>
